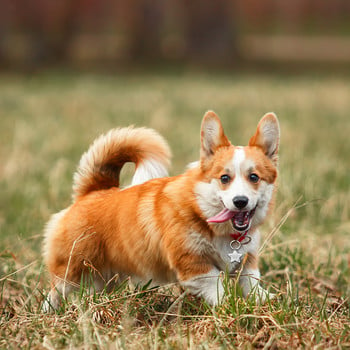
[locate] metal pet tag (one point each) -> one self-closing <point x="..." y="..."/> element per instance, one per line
<point x="235" y="256"/>
<point x="235" y="245"/>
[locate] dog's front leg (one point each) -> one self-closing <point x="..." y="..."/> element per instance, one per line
<point x="207" y="284"/>
<point x="249" y="281"/>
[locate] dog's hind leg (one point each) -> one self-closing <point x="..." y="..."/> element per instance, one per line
<point x="57" y="293"/>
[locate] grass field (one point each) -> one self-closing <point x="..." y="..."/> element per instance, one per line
<point x="47" y="121"/>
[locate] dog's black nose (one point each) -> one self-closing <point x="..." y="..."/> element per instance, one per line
<point x="240" y="201"/>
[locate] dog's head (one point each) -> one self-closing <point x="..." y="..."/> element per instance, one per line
<point x="237" y="183"/>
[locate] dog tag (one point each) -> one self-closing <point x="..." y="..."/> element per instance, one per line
<point x="235" y="256"/>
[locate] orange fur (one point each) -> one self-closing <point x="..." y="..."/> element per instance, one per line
<point x="142" y="230"/>
<point x="100" y="167"/>
<point x="251" y="261"/>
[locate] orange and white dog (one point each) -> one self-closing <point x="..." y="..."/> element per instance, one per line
<point x="187" y="228"/>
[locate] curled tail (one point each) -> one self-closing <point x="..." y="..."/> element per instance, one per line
<point x="100" y="166"/>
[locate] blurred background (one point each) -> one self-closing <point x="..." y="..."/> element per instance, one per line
<point x="73" y="69"/>
<point x="115" y="33"/>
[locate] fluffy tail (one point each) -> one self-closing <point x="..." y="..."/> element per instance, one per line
<point x="100" y="166"/>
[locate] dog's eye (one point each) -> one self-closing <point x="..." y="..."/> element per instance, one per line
<point x="225" y="179"/>
<point x="254" y="178"/>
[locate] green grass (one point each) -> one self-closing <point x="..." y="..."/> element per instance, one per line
<point x="48" y="121"/>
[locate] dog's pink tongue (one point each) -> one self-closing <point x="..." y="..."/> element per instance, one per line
<point x="223" y="216"/>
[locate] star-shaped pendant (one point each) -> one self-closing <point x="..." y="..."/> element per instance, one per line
<point x="235" y="256"/>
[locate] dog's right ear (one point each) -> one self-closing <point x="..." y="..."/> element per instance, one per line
<point x="212" y="135"/>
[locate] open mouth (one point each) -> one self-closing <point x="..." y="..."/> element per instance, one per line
<point x="240" y="219"/>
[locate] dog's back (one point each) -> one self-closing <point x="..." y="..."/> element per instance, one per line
<point x="76" y="238"/>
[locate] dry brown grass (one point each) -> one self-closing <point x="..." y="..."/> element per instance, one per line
<point x="48" y="121"/>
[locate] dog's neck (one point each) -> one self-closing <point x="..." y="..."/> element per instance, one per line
<point x="239" y="236"/>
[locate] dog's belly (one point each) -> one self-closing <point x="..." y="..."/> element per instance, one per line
<point x="141" y="267"/>
<point x="115" y="277"/>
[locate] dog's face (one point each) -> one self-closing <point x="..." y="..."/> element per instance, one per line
<point x="238" y="182"/>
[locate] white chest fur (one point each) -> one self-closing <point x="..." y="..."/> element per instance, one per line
<point x="228" y="255"/>
<point x="220" y="249"/>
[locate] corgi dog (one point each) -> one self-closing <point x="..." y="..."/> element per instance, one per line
<point x="186" y="228"/>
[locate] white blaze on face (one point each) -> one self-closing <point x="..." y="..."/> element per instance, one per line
<point x="239" y="169"/>
<point x="212" y="199"/>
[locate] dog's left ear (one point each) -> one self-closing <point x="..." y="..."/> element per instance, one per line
<point x="212" y="135"/>
<point x="267" y="136"/>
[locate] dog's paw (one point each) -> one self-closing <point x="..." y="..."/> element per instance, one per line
<point x="51" y="303"/>
<point x="261" y="296"/>
<point x="46" y="307"/>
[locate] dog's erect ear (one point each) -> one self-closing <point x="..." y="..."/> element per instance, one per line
<point x="267" y="136"/>
<point x="212" y="135"/>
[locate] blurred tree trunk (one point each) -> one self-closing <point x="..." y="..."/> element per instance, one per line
<point x="49" y="26"/>
<point x="210" y="31"/>
<point x="143" y="21"/>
